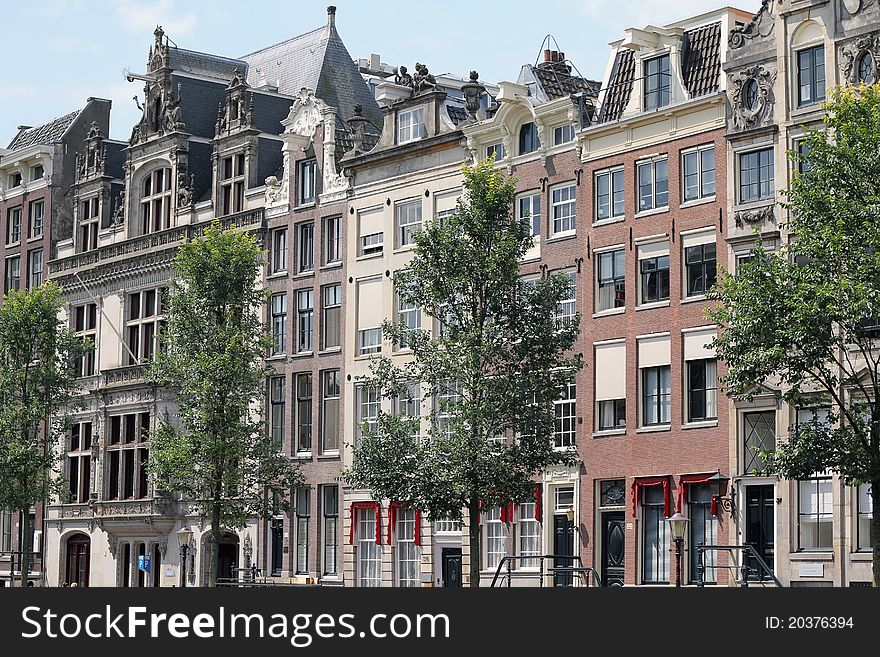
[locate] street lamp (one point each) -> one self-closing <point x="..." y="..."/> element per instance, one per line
<point x="718" y="483"/>
<point x="678" y="526"/>
<point x="183" y="536"/>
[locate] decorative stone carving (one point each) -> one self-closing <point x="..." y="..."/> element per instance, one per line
<point x="751" y="96"/>
<point x="755" y="216"/>
<point x="422" y="80"/>
<point x="163" y="547"/>
<point x="119" y="212"/>
<point x="854" y="6"/>
<point x="852" y="53"/>
<point x="248" y="550"/>
<point x="402" y="78"/>
<point x="273" y="190"/>
<point x="184" y="190"/>
<point x="473" y="93"/>
<point x="113" y="544"/>
<point x="305" y="115"/>
<point x="761" y="25"/>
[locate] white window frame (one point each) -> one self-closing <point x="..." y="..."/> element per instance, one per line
<point x="702" y="194"/>
<point x="566" y="309"/>
<point x="565" y="412"/>
<point x="369" y="553"/>
<point x="655" y="196"/>
<point x="407" y="222"/>
<point x="822" y="515"/>
<point x="529" y="539"/>
<point x="615" y="195"/>
<point x="407" y="555"/>
<point x="495" y="537"/>
<point x="369" y="403"/>
<point x="563" y="210"/>
<point x="411" y="125"/>
<point x="528" y="207"/>
<point x="563" y="134"/>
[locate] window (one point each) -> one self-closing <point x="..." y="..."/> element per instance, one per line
<point x="759" y="432"/>
<point x="307" y="171"/>
<point x="496" y="538"/>
<point x="609" y="194"/>
<point x="563" y="207"/>
<point x="702" y="390"/>
<point x="89" y="221"/>
<point x="37" y="172"/>
<point x="127" y="456"/>
<point x="35" y="211"/>
<point x="610" y="385"/>
<point x="232" y="184"/>
<point x="411" y="125"/>
<point x="611" y="280"/>
<point x="369" y="316"/>
<point x="156" y="201"/>
<point x="278" y="245"/>
<point x="14" y="180"/>
<point x="277" y="406"/>
<point x="655" y="536"/>
<point x="332" y="315"/>
<point x="330" y="512"/>
<point x="700" y="266"/>
<point x="657" y="82"/>
<point x="35" y="268"/>
<point x="408" y="218"/>
<point x="368" y="403"/>
<point x="703" y="528"/>
<point x="865" y="513"/>
<point x="279" y="323"/>
<point x="79" y="462"/>
<point x="84" y="323"/>
<point x="529" y="536"/>
<point x="447" y="526"/>
<point x="656" y="396"/>
<point x="756" y="175"/>
<point x="445" y="402"/>
<point x="566" y="309"/>
<point x="408" y="562"/>
<point x="528" y="138"/>
<point x="144" y="325"/>
<point x="654" y="277"/>
<point x="653" y="184"/>
<point x="370" y="341"/>
<point x="305" y="312"/>
<point x="815" y="514"/>
<point x="496" y="150"/>
<point x="6" y="529"/>
<point x="612" y="414"/>
<point x="565" y="432"/>
<point x="275" y="528"/>
<point x="305" y="235"/>
<point x="528" y="208"/>
<point x="330" y="411"/>
<point x="303" y="516"/>
<point x="811" y="75"/>
<point x="867" y="72"/>
<point x="372" y="244"/>
<point x="369" y="556"/>
<point x="13" y="274"/>
<point x="332" y="240"/>
<point x="13" y="226"/>
<point x="408" y="405"/>
<point x="563" y="134"/>
<point x="304" y="412"/>
<point x="698" y="173"/>
<point x="408" y="313"/>
<point x="803" y="150"/>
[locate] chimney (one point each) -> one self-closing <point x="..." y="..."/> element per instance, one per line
<point x="375" y="62"/>
<point x="548" y="55"/>
<point x="331" y="17"/>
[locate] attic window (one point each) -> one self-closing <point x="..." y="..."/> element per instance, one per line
<point x="528" y="138"/>
<point x="37" y="172"/>
<point x="411" y="125"/>
<point x="657" y="82"/>
<point x="14" y="180"/>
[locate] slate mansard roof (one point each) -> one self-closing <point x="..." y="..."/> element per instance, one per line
<point x="48" y="133"/>
<point x="205" y="64"/>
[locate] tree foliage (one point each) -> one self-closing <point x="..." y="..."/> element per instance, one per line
<point x="806" y="320"/>
<point x="218" y="453"/>
<point x="38" y="355"/>
<point x="496" y="369"/>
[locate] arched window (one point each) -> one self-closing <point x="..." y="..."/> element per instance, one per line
<point x="156" y="201"/>
<point x="77" y="560"/>
<point x="866" y="69"/>
<point x="528" y="138"/>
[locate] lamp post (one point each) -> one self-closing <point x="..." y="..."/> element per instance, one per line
<point x="678" y="526"/>
<point x="183" y="536"/>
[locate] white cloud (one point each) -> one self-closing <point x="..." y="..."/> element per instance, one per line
<point x="143" y="16"/>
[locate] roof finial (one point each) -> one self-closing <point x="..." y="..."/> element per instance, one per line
<point x="331" y="17"/>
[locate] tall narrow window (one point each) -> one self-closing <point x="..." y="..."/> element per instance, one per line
<point x="128" y="456"/>
<point x="306" y="181"/>
<point x="565" y="432"/>
<point x="332" y="315"/>
<point x="13" y="274"/>
<point x="408" y="571"/>
<point x="528" y="208"/>
<point x="811" y="75"/>
<point x="305" y="312"/>
<point x="408" y="220"/>
<point x="408" y="313"/>
<point x="656" y="395"/>
<point x="610" y="385"/>
<point x="756" y="175"/>
<point x="36" y="223"/>
<point x="698" y="173"/>
<point x="566" y="308"/>
<point x="529" y="536"/>
<point x="369" y="556"/>
<point x="332" y="240"/>
<point x="84" y="323"/>
<point x="611" y="280"/>
<point x="156" y="201"/>
<point x="278" y="257"/>
<point x="815" y="517"/>
<point x="701" y="268"/>
<point x="368" y="402"/>
<point x="411" y="125"/>
<point x="759" y="433"/>
<point x="445" y="402"/>
<point x="305" y="237"/>
<point x="865" y="512"/>
<point x="89" y="222"/>
<point x="657" y="82"/>
<point x="13" y="226"/>
<point x="703" y="531"/>
<point x="496" y="538"/>
<point x="277" y="406"/>
<point x="408" y="405"/>
<point x="35" y="268"/>
<point x="303" y="517"/>
<point x="232" y="184"/>
<point x="654" y="278"/>
<point x="303" y="412"/>
<point x="655" y="537"/>
<point x="609" y="194"/>
<point x="702" y="389"/>
<point x="653" y="179"/>
<point x="563" y="202"/>
<point x="79" y="461"/>
<point x="279" y="323"/>
<point x="143" y="324"/>
<point x="528" y="138"/>
<point x="330" y="411"/>
<point x="329" y="530"/>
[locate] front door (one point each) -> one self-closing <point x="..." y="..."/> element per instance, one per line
<point x="760" y="520"/>
<point x="78" y="549"/>
<point x="227" y="561"/>
<point x="613" y="548"/>
<point x="452" y="568"/>
<point x="563" y="548"/>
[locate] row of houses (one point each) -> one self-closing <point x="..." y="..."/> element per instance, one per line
<point x="642" y="187"/>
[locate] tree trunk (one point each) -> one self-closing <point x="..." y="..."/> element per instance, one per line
<point x="214" y="544"/>
<point x="474" y="535"/>
<point x="24" y="548"/>
<point x="875" y="530"/>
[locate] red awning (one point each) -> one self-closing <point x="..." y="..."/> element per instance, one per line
<point x="392" y="518"/>
<point x="690" y="479"/>
<point x="353" y="511"/>
<point x="648" y="482"/>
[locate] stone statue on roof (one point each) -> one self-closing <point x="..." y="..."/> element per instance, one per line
<point x="402" y="78"/>
<point x="422" y="80"/>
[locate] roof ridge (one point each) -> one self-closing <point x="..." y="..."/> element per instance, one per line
<point x="68" y="117"/>
<point x="209" y="54"/>
<point x="281" y="43"/>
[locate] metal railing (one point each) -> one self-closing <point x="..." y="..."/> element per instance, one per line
<point x="251" y="577"/>
<point x="587" y="575"/>
<point x="750" y="567"/>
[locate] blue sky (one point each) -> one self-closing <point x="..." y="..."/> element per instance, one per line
<point x="63" y="51"/>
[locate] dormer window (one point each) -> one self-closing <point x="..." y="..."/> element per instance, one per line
<point x="411" y="125"/>
<point x="232" y="184"/>
<point x="307" y="172"/>
<point x="37" y="172"/>
<point x="14" y="180"/>
<point x="563" y="134"/>
<point x="528" y="138"/>
<point x="156" y="201"/>
<point x="88" y="225"/>
<point x="657" y="82"/>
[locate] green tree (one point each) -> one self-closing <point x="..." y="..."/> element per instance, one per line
<point x="38" y="354"/>
<point x="499" y="364"/>
<point x="218" y="453"/>
<point x="806" y="320"/>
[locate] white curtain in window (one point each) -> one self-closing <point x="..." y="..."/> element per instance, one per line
<point x="529" y="535"/>
<point x="369" y="556"/>
<point x="407" y="550"/>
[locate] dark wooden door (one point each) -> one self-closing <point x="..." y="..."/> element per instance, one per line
<point x="78" y="549"/>
<point x="613" y="548"/>
<point x="563" y="548"/>
<point x="227" y="560"/>
<point x="760" y="519"/>
<point x="452" y="568"/>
